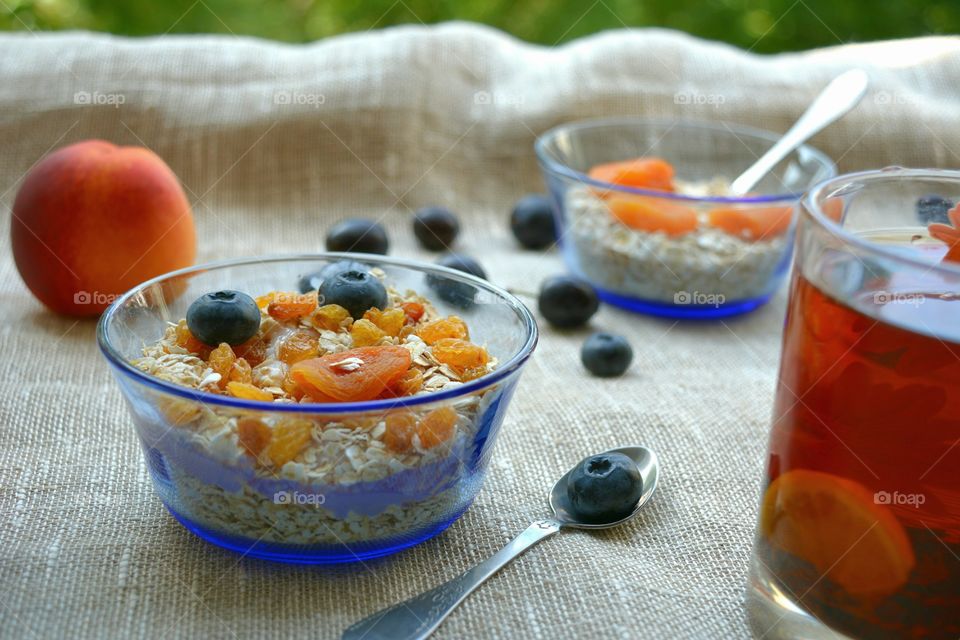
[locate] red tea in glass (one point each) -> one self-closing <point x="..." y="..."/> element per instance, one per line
<point x="859" y="529"/>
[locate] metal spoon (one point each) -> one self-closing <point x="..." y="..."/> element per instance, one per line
<point x="420" y="616"/>
<point x="837" y="98"/>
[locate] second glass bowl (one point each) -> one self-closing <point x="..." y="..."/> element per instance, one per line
<point x="694" y="253"/>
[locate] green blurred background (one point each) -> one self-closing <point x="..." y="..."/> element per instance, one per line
<point x="764" y="26"/>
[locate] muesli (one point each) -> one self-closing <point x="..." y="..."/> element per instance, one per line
<point x="311" y="477"/>
<point x="661" y="249"/>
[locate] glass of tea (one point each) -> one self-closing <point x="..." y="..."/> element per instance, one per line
<point x="859" y="531"/>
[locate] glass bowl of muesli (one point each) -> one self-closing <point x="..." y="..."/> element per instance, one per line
<point x="646" y="215"/>
<point x="319" y="408"/>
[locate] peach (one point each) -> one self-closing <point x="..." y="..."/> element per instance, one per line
<point x="92" y="220"/>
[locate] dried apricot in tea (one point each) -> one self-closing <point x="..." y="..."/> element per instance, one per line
<point x="400" y="429"/>
<point x="389" y="321"/>
<point x="653" y="214"/>
<point x="221" y="361"/>
<point x="641" y="173"/>
<point x="290" y="306"/>
<point x="289" y="438"/>
<point x="449" y="327"/>
<point x="351" y="376"/>
<point x="330" y="317"/>
<point x="253" y="434"/>
<point x="437" y="427"/>
<point x="299" y="345"/>
<point x="248" y="392"/>
<point x="365" y="333"/>
<point x="413" y="310"/>
<point x="459" y="354"/>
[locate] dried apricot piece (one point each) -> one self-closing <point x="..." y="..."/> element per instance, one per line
<point x="241" y="371"/>
<point x="641" y="173"/>
<point x="413" y="310"/>
<point x="365" y="333"/>
<point x="653" y="214"/>
<point x="290" y="306"/>
<point x="254" y="435"/>
<point x="221" y="361"/>
<point x="299" y="345"/>
<point x="400" y="429"/>
<point x="249" y="392"/>
<point x="449" y="327"/>
<point x="290" y="386"/>
<point x="751" y="223"/>
<point x="330" y="317"/>
<point x="389" y="321"/>
<point x="351" y="376"/>
<point x="406" y="385"/>
<point x="459" y="354"/>
<point x="437" y="427"/>
<point x="289" y="438"/>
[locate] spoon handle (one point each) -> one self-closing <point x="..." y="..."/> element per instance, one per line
<point x="837" y="98"/>
<point x="419" y="616"/>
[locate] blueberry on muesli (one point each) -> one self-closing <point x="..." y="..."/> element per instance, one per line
<point x="356" y="290"/>
<point x="358" y="235"/>
<point x="223" y="316"/>
<point x="312" y="282"/>
<point x="933" y="208"/>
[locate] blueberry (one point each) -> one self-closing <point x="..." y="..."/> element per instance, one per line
<point x="312" y="281"/>
<point x="459" y="294"/>
<point x="436" y="228"/>
<point x="356" y="290"/>
<point x="566" y="301"/>
<point x="358" y="235"/>
<point x="606" y="355"/>
<point x="223" y="316"/>
<point x="933" y="208"/>
<point x="604" y="488"/>
<point x="532" y="222"/>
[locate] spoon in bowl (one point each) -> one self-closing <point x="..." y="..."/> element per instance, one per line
<point x="420" y="616"/>
<point x="837" y="98"/>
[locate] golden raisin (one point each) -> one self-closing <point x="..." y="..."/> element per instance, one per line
<point x="330" y="317"/>
<point x="449" y="327"/>
<point x="401" y="426"/>
<point x="253" y="434"/>
<point x="365" y="333"/>
<point x="413" y="310"/>
<point x="459" y="354"/>
<point x="407" y="384"/>
<point x="221" y="361"/>
<point x="254" y="350"/>
<point x="290" y="437"/>
<point x="241" y="371"/>
<point x="407" y="330"/>
<point x="299" y="345"/>
<point x="264" y="301"/>
<point x="291" y="387"/>
<point x="249" y="392"/>
<point x="186" y="340"/>
<point x="290" y="306"/>
<point x="437" y="427"/>
<point x="390" y="321"/>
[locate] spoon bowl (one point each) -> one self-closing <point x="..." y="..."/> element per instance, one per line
<point x="647" y="465"/>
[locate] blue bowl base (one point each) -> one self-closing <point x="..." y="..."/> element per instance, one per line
<point x="686" y="312"/>
<point x="332" y="554"/>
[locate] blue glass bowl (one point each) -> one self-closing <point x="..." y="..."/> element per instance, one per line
<point x="325" y="506"/>
<point x="709" y="271"/>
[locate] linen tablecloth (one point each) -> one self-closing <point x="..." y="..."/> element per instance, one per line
<point x="273" y="143"/>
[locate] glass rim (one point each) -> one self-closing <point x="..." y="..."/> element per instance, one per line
<point x="517" y="359"/>
<point x="556" y="167"/>
<point x="809" y="207"/>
